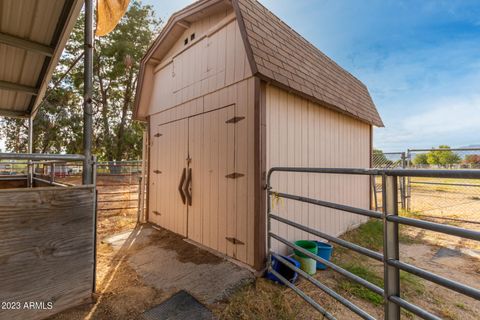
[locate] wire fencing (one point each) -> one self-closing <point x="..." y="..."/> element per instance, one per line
<point x="118" y="189"/>
<point x="387" y="160"/>
<point x="117" y="184"/>
<point x="448" y="200"/>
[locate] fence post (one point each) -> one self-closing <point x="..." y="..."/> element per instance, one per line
<point x="403" y="192"/>
<point x="374" y="191"/>
<point x="408" y="188"/>
<point x="390" y="246"/>
<point x="269" y="221"/>
<point x="52" y="172"/>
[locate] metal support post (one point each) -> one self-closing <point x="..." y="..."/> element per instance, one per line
<point x="390" y="246"/>
<point x="52" y="172"/>
<point x="408" y="188"/>
<point x="374" y="191"/>
<point x="94" y="182"/>
<point x="30" y="150"/>
<point x="269" y="221"/>
<point x="403" y="192"/>
<point x="88" y="87"/>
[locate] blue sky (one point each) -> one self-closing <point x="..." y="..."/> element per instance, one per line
<point x="419" y="59"/>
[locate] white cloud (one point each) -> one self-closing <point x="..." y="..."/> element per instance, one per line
<point x="453" y="121"/>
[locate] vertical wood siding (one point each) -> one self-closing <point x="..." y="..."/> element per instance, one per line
<point x="213" y="62"/>
<point x="167" y="209"/>
<point x="206" y="83"/>
<point x="304" y="134"/>
<point x="211" y="149"/>
<point x="215" y="214"/>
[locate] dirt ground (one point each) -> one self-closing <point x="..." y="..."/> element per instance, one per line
<point x="122" y="294"/>
<point x="139" y="271"/>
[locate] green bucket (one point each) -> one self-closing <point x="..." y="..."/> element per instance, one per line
<point x="307" y="264"/>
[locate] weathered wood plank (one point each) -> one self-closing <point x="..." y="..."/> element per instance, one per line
<point x="46" y="248"/>
<point x="14" y="183"/>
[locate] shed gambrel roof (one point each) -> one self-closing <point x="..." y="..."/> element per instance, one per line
<point x="281" y="56"/>
<point x="284" y="57"/>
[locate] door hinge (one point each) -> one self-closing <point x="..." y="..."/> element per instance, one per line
<point x="234" y="240"/>
<point x="234" y="119"/>
<point x="158" y="135"/>
<point x="234" y="175"/>
<point x="157" y="171"/>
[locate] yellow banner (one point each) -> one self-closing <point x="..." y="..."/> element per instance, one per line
<point x="109" y="13"/>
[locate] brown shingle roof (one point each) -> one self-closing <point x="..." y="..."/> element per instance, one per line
<point x="282" y="56"/>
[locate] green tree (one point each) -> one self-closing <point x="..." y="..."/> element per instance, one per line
<point x="420" y="159"/>
<point x="443" y="158"/>
<point x="58" y="124"/>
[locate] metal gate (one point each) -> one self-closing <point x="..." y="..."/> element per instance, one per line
<point x="390" y="258"/>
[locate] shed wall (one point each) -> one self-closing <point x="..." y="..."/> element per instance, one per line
<point x="215" y="60"/>
<point x="241" y="95"/>
<point x="46" y="252"/>
<point x="210" y="74"/>
<point x="303" y="134"/>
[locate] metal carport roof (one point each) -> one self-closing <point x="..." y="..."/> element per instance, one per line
<point x="33" y="35"/>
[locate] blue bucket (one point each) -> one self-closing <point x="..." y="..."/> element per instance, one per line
<point x="325" y="252"/>
<point x="283" y="270"/>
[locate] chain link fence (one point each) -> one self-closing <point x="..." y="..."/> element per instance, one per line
<point x="387" y="160"/>
<point x="441" y="200"/>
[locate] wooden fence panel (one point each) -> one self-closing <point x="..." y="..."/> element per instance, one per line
<point x="46" y="250"/>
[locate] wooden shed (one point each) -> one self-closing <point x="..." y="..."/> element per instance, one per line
<point x="228" y="91"/>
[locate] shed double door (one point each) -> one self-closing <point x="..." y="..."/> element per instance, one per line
<point x="204" y="147"/>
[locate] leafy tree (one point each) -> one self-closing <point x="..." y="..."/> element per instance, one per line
<point x="58" y="124"/>
<point x="420" y="159"/>
<point x="472" y="160"/>
<point x="443" y="158"/>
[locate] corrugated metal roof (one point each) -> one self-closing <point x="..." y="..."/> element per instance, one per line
<point x="32" y="37"/>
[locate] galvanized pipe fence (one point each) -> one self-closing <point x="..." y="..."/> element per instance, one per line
<point x="390" y="257"/>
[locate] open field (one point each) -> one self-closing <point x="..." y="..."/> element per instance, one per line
<point x="443" y="200"/>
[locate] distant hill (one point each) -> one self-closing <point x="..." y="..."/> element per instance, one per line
<point x="472" y="146"/>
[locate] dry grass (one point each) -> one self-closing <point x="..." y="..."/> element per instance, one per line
<point x="265" y="300"/>
<point x="249" y="303"/>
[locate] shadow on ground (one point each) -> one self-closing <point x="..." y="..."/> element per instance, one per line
<point x="138" y="270"/>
